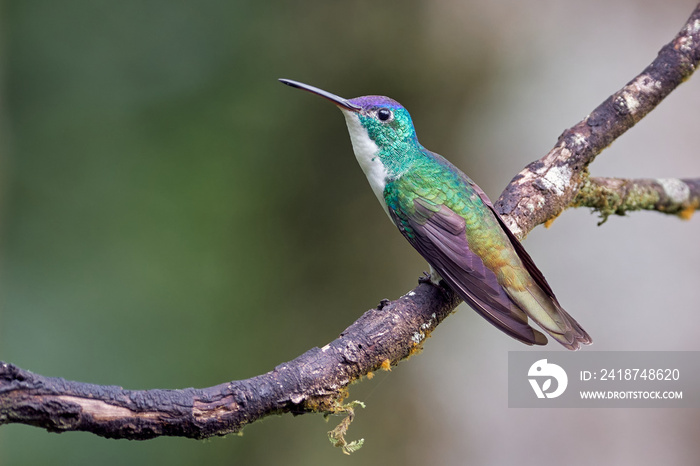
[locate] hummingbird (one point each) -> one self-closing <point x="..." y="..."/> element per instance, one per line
<point x="451" y="222"/>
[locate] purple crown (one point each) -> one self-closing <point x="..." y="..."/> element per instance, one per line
<point x="375" y="101"/>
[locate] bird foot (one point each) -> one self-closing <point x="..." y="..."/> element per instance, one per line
<point x="383" y="303"/>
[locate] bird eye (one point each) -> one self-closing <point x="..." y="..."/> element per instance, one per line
<point x="384" y="114"/>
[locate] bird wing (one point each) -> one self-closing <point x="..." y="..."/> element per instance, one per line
<point x="569" y="332"/>
<point x="439" y="235"/>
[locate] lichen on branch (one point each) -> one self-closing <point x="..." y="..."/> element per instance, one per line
<point x="617" y="196"/>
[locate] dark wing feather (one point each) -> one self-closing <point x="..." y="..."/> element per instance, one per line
<point x="524" y="256"/>
<point x="438" y="234"/>
<point x="578" y="333"/>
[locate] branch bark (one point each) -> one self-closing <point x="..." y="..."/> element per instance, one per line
<point x="317" y="380"/>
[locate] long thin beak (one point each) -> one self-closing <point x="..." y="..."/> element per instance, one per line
<point x="326" y="95"/>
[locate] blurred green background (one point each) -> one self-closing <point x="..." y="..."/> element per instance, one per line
<point x="171" y="216"/>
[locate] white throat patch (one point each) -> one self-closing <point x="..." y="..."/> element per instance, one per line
<point x="367" y="155"/>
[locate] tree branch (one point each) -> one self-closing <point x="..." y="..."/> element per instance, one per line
<point x="617" y="196"/>
<point x="542" y="190"/>
<point x="317" y="380"/>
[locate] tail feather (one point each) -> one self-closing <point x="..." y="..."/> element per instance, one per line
<point x="547" y="311"/>
<point x="550" y="316"/>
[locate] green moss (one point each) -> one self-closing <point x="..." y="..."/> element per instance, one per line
<point x="608" y="201"/>
<point x="337" y="435"/>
